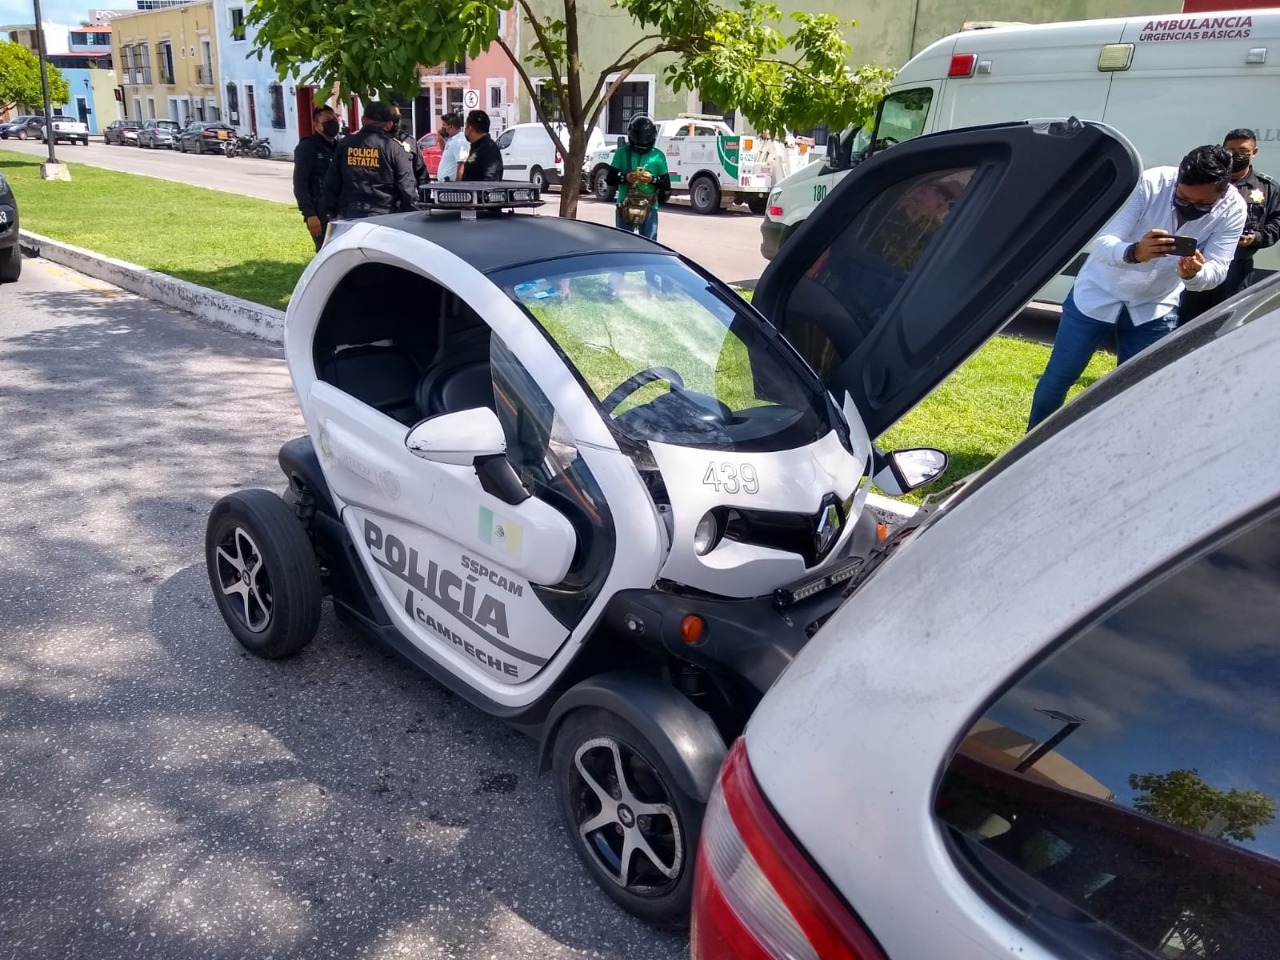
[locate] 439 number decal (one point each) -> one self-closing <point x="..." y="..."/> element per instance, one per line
<point x="732" y="477"/>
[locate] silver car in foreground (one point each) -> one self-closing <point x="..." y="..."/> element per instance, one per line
<point x="1046" y="726"/>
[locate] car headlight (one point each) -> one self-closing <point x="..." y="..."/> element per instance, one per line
<point x="706" y="535"/>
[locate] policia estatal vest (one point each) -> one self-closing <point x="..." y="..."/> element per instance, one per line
<point x="371" y="173"/>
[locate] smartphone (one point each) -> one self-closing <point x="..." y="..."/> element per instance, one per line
<point x="1184" y="247"/>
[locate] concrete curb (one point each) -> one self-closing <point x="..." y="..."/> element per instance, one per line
<point x="890" y="511"/>
<point x="220" y="309"/>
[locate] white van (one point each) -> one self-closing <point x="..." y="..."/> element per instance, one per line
<point x="529" y="153"/>
<point x="1169" y="82"/>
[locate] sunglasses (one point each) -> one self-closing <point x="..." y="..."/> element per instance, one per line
<point x="1185" y="204"/>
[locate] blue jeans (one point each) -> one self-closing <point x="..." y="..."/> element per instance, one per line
<point x="1077" y="339"/>
<point x="648" y="230"/>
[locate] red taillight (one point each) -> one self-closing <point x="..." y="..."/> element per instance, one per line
<point x="557" y="156"/>
<point x="963" y="65"/>
<point x="756" y="896"/>
<point x="775" y="211"/>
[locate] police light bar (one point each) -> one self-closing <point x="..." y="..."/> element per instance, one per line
<point x="837" y="575"/>
<point x="451" y="195"/>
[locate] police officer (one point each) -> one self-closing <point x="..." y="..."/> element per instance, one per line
<point x="484" y="162"/>
<point x="371" y="174"/>
<point x="405" y="137"/>
<point x="311" y="160"/>
<point x="1262" y="228"/>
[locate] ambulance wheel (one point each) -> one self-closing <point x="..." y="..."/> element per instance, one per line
<point x="704" y="195"/>
<point x="757" y="203"/>
<point x="263" y="572"/>
<point x="600" y="185"/>
<point x="635" y="830"/>
<point x="538" y="179"/>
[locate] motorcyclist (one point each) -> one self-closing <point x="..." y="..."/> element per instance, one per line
<point x="371" y="174"/>
<point x="639" y="171"/>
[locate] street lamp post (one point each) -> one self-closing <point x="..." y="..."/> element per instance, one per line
<point x="52" y="169"/>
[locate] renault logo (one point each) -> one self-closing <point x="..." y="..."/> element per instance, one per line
<point x="828" y="530"/>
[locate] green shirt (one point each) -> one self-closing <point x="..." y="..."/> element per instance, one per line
<point x="626" y="160"/>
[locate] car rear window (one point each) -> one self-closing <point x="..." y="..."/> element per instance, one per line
<point x="1120" y="799"/>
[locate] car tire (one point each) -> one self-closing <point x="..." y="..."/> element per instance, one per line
<point x="704" y="195"/>
<point x="22" y="134"/>
<point x="600" y="188"/>
<point x="538" y="178"/>
<point x="757" y="203"/>
<point x="10" y="264"/>
<point x="597" y="753"/>
<point x="263" y="573"/>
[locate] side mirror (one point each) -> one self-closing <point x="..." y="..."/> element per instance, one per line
<point x="835" y="152"/>
<point x="470" y="438"/>
<point x="902" y="471"/>
<point x="459" y="438"/>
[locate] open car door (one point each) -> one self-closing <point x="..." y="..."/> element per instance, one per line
<point x="925" y="251"/>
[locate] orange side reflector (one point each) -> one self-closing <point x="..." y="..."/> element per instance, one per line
<point x="692" y="628"/>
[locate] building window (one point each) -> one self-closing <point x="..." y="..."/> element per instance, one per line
<point x="164" y="58"/>
<point x="550" y="103"/>
<point x="143" y="60"/>
<point x="127" y="78"/>
<point x="817" y="134"/>
<point x="237" y="23"/>
<point x="277" y="106"/>
<point x="137" y="108"/>
<point x="456" y="67"/>
<point x="211" y="110"/>
<point x="233" y="103"/>
<point x="206" y="63"/>
<point x="151" y="108"/>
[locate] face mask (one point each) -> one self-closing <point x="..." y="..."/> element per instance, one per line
<point x="329" y="128"/>
<point x="1240" y="162"/>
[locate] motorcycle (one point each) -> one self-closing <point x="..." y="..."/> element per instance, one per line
<point x="247" y="145"/>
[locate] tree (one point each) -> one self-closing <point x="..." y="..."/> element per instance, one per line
<point x="735" y="53"/>
<point x="1181" y="797"/>
<point x="20" y="78"/>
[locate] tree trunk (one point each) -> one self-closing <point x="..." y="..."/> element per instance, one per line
<point x="571" y="186"/>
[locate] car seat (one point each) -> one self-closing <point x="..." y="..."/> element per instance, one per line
<point x="383" y="376"/>
<point x="458" y="377"/>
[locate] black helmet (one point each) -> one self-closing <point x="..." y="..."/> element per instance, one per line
<point x="642" y="132"/>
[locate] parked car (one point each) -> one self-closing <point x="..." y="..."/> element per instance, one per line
<point x="1045" y="726"/>
<point x="26" y="127"/>
<point x="68" y="129"/>
<point x="158" y="133"/>
<point x="10" y="254"/>
<point x="205" y="137"/>
<point x="123" y="133"/>
<point x="431" y="147"/>
<point x="529" y="153"/>
<point x="595" y="492"/>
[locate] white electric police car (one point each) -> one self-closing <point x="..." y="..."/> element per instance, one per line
<point x="592" y="490"/>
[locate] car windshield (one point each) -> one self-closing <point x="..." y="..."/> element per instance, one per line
<point x="671" y="357"/>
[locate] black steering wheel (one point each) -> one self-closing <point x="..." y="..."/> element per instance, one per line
<point x="885" y="142"/>
<point x="641" y="379"/>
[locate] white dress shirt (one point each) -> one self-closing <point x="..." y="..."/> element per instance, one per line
<point x="1150" y="290"/>
<point x="455" y="152"/>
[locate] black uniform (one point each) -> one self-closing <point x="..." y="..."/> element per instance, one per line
<point x="311" y="161"/>
<point x="1262" y="199"/>
<point x="371" y="175"/>
<point x="484" y="162"/>
<point x="415" y="157"/>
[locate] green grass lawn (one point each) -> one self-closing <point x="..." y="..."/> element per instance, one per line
<point x="250" y="248"/>
<point x="981" y="410"/>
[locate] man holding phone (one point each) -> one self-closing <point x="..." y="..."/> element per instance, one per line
<point x="1178" y="230"/>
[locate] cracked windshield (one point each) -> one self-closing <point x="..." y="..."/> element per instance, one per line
<point x="670" y="360"/>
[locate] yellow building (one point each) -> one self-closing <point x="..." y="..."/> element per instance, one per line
<point x="167" y="63"/>
<point x="102" y="89"/>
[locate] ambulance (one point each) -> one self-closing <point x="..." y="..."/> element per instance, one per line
<point x="710" y="165"/>
<point x="1168" y="82"/>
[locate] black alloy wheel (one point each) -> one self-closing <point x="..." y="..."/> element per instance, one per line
<point x="635" y="830"/>
<point x="263" y="573"/>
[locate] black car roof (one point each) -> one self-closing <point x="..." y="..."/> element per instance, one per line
<point x="494" y="243"/>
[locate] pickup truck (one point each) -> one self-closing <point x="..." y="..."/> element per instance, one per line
<point x="66" y="128"/>
<point x="709" y="164"/>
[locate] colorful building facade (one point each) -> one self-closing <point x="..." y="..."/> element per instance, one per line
<point x="167" y="63"/>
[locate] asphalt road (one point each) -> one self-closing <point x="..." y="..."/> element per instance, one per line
<point x="166" y="795"/>
<point x="727" y="244"/>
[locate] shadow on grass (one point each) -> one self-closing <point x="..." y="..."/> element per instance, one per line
<point x="268" y="282"/>
<point x="163" y="787"/>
